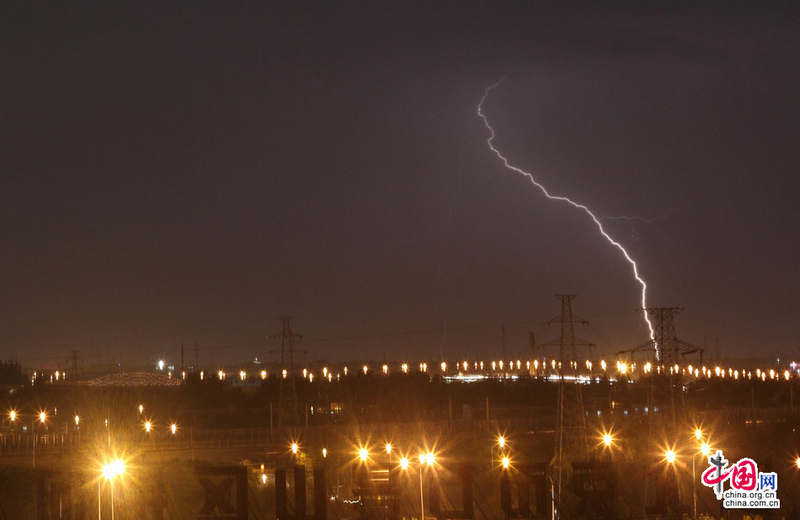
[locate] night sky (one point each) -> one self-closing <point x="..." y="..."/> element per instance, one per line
<point x="176" y="173"/>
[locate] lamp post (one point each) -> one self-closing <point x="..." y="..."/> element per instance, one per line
<point x="42" y="417"/>
<point x="705" y="449"/>
<point x="672" y="458"/>
<point x="109" y="470"/>
<point x="429" y="459"/>
<point x="425" y="459"/>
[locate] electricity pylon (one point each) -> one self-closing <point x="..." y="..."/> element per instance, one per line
<point x="287" y="400"/>
<point x="571" y="417"/>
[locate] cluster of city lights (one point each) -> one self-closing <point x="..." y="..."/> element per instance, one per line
<point x="585" y="371"/>
<point x="42" y="417"/>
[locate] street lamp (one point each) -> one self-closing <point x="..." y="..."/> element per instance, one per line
<point x="425" y="459"/>
<point x="670" y="456"/>
<point x="42" y="419"/>
<point x="109" y="470"/>
<point x="705" y="449"/>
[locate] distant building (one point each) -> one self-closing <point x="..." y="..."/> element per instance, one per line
<point x="11" y="374"/>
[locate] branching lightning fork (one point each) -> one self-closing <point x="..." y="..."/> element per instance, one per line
<point x="568" y="201"/>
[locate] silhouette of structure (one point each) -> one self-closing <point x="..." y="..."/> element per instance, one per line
<point x="571" y="433"/>
<point x="667" y="348"/>
<point x="287" y="401"/>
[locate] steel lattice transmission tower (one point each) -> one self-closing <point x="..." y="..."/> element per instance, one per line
<point x="667" y="348"/>
<point x="287" y="401"/>
<point x="667" y="351"/>
<point x="571" y="418"/>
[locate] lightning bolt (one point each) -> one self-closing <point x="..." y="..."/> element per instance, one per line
<point x="576" y="205"/>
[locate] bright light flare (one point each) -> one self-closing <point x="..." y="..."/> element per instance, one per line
<point x="42" y="417"/>
<point x="363" y="454"/>
<point x="113" y="469"/>
<point x="430" y="458"/>
<point x="705" y="449"/>
<point x="608" y="440"/>
<point x="505" y="462"/>
<point x="670" y="456"/>
<point x="529" y="176"/>
<point x="404" y="462"/>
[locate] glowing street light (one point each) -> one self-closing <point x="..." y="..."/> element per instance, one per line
<point x="705" y="449"/>
<point x="797" y="462"/>
<point x="506" y="462"/>
<point x="148" y="426"/>
<point x="173" y="428"/>
<point x="608" y="440"/>
<point x="430" y="458"/>
<point x="427" y="458"/>
<point x="404" y="462"/>
<point x="295" y="447"/>
<point x="110" y="470"/>
<point x="670" y="456"/>
<point x="501" y="441"/>
<point x="363" y="454"/>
